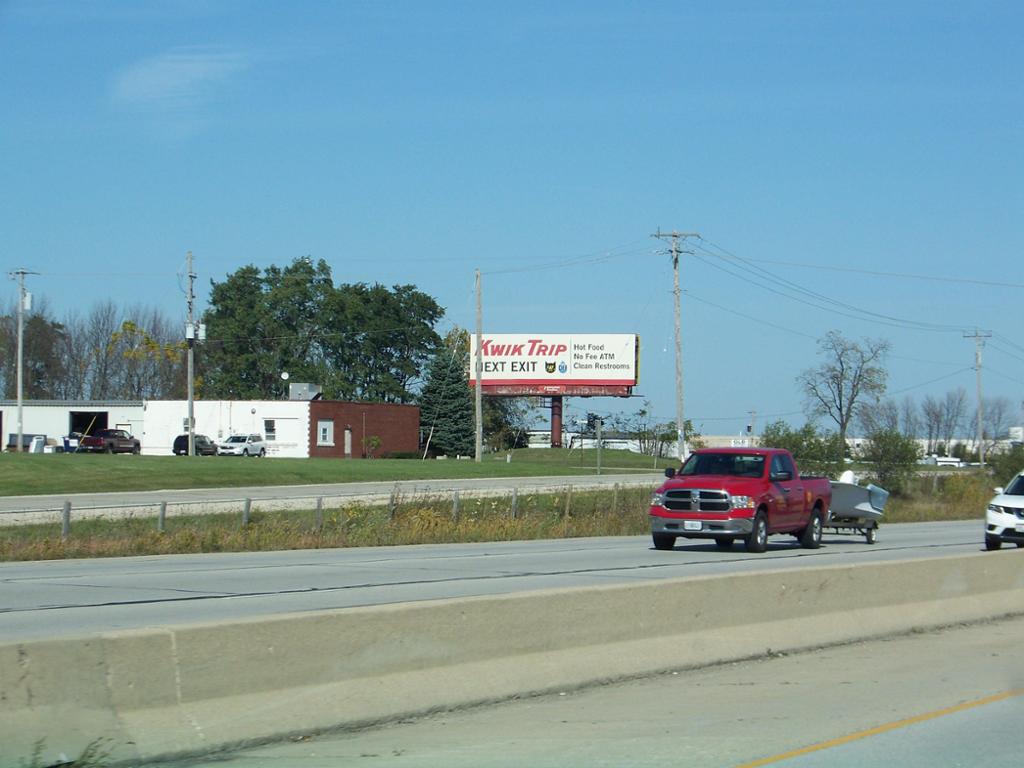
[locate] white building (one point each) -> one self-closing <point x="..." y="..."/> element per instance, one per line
<point x="283" y="423"/>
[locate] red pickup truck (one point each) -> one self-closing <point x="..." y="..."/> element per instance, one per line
<point x="109" y="441"/>
<point x="739" y="493"/>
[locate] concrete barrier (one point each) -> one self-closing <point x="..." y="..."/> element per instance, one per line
<point x="196" y="689"/>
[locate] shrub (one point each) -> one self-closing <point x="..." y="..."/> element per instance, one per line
<point x="893" y="458"/>
<point x="817" y="453"/>
<point x="1005" y="465"/>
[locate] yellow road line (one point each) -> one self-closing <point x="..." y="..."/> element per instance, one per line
<point x="883" y="729"/>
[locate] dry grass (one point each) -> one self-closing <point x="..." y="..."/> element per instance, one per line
<point x="941" y="497"/>
<point x="425" y="520"/>
<point x="415" y="520"/>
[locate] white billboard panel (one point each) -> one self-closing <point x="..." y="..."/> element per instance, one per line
<point x="587" y="359"/>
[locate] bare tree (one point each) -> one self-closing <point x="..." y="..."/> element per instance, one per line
<point x="931" y="413"/>
<point x="997" y="418"/>
<point x="910" y="417"/>
<point x="884" y="415"/>
<point x="850" y="374"/>
<point x="954" y="406"/>
<point x="101" y="324"/>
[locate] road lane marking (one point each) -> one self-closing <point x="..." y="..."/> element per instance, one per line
<point x="883" y="729"/>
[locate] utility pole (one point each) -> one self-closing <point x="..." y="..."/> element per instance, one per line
<point x="190" y="339"/>
<point x="675" y="251"/>
<point x="979" y="342"/>
<point x="23" y="299"/>
<point x="478" y="369"/>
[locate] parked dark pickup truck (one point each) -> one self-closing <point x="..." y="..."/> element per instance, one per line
<point x="739" y="493"/>
<point x="109" y="441"/>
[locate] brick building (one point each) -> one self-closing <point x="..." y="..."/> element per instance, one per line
<point x="362" y="430"/>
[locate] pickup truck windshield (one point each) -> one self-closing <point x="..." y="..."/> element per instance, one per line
<point x="734" y="464"/>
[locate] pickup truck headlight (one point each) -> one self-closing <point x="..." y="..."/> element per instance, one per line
<point x="657" y="499"/>
<point x="741" y="502"/>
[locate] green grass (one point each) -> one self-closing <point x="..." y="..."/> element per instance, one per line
<point x="29" y="474"/>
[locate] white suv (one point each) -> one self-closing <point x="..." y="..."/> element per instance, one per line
<point x="242" y="445"/>
<point x="1004" y="519"/>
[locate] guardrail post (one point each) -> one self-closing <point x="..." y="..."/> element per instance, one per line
<point x="65" y="526"/>
<point x="515" y="503"/>
<point x="245" y="512"/>
<point x="455" y="506"/>
<point x="319" y="513"/>
<point x="393" y="503"/>
<point x="568" y="502"/>
<point x="615" y="499"/>
<point x="162" y="517"/>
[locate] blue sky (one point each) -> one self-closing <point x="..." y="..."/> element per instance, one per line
<point x="543" y="143"/>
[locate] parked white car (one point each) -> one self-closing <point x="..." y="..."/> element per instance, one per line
<point x="242" y="445"/>
<point x="1004" y="519"/>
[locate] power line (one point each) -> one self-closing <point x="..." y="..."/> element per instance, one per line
<point x="878" y="273"/>
<point x="817" y="298"/>
<point x="758" y="320"/>
<point x="575" y="261"/>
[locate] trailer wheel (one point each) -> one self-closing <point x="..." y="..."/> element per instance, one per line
<point x="871" y="534"/>
<point x="757" y="540"/>
<point x="724" y="542"/>
<point x="663" y="540"/>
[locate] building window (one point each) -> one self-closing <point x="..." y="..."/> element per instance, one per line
<point x="270" y="429"/>
<point x="325" y="432"/>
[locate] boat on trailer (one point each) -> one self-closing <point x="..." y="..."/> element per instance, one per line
<point x="856" y="509"/>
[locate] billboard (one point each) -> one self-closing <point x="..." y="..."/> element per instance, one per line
<point x="586" y="364"/>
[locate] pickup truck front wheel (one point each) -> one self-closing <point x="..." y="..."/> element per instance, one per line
<point x="810" y="537"/>
<point x="663" y="540"/>
<point x="757" y="539"/>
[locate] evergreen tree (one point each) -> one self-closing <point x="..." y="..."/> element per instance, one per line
<point x="446" y="402"/>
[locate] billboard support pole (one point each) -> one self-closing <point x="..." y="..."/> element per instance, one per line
<point x="478" y="395"/>
<point x="556" y="421"/>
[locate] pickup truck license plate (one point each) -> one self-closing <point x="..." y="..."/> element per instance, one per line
<point x="691" y="525"/>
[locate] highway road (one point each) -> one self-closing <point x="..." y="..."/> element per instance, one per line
<point x="54" y="598"/>
<point x="950" y="697"/>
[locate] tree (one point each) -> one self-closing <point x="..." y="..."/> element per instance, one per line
<point x="951" y="412"/>
<point x="815" y="452"/>
<point x="910" y="419"/>
<point x="997" y="418"/>
<point x="652" y="437"/>
<point x="43" y="361"/>
<point x="851" y="373"/>
<point x="1004" y="466"/>
<point x="446" y="401"/>
<point x="931" y="412"/>
<point x="383" y="341"/>
<point x="893" y="457"/>
<point x="357" y="341"/>
<point x="506" y="421"/>
<point x="881" y="415"/>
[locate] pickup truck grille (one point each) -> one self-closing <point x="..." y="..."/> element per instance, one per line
<point x="696" y="500"/>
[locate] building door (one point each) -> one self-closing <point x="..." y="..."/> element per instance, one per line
<point x="348" y="442"/>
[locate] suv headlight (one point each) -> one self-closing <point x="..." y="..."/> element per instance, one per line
<point x="995" y="508"/>
<point x="741" y="502"/>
